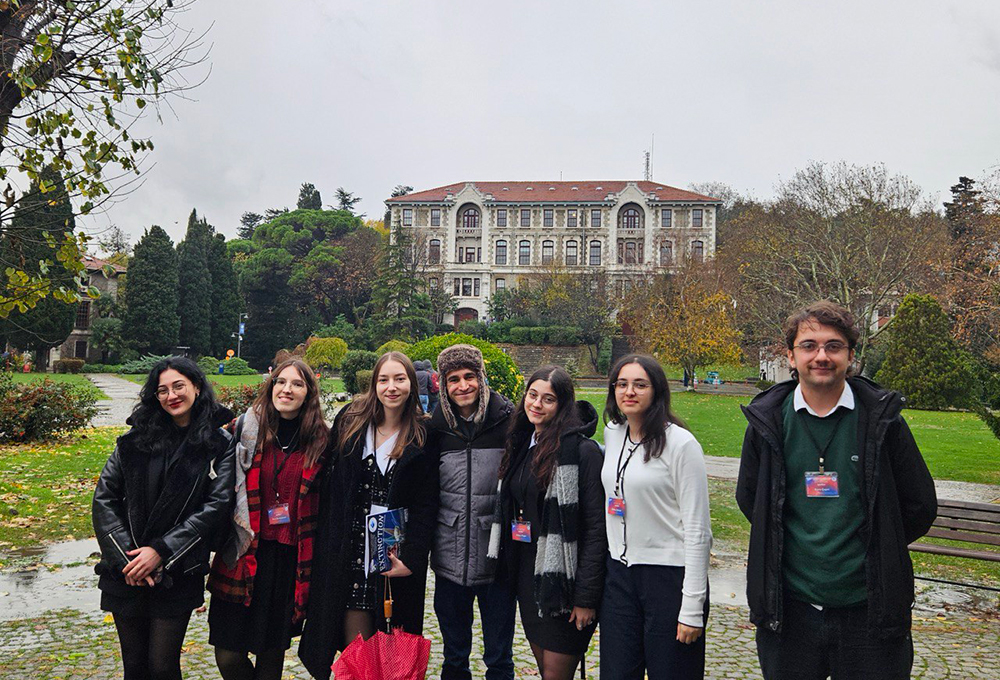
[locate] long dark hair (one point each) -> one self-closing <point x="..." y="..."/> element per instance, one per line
<point x="154" y="425"/>
<point x="312" y="431"/>
<point x="658" y="417"/>
<point x="367" y="410"/>
<point x="543" y="464"/>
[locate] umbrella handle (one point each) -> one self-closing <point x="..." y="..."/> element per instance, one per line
<point x="387" y="603"/>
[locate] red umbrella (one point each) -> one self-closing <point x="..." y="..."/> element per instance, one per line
<point x="394" y="656"/>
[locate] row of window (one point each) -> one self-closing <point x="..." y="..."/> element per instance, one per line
<point x="467" y="287"/>
<point x="631" y="218"/>
<point x="629" y="252"/>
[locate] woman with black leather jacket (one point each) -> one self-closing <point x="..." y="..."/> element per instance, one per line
<point x="550" y="497"/>
<point x="163" y="497"/>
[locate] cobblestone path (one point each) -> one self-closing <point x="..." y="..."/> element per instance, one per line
<point x="71" y="645"/>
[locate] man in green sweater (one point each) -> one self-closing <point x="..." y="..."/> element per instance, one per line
<point x="835" y="489"/>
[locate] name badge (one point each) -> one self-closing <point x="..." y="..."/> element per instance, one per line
<point x="822" y="485"/>
<point x="520" y="531"/>
<point x="616" y="506"/>
<point x="278" y="514"/>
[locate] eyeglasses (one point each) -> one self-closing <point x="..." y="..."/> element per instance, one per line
<point x="638" y="385"/>
<point x="832" y="348"/>
<point x="178" y="388"/>
<point x="548" y="399"/>
<point x="279" y="384"/>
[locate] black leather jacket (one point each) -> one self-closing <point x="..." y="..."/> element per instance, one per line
<point x="195" y="504"/>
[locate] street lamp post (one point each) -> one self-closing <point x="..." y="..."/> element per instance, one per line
<point x="239" y="334"/>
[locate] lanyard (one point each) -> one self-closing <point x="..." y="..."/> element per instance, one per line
<point x="524" y="467"/>
<point x="278" y="468"/>
<point x="620" y="467"/>
<point x="812" y="437"/>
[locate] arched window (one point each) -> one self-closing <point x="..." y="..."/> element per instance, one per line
<point x="548" y="250"/>
<point x="595" y="252"/>
<point x="501" y="252"/>
<point x="666" y="253"/>
<point x="434" y="251"/>
<point x="572" y="254"/>
<point x="470" y="218"/>
<point x="698" y="251"/>
<point x="630" y="218"/>
<point x="524" y="252"/>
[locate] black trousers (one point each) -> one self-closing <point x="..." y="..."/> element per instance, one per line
<point x="833" y="643"/>
<point x="639" y="625"/>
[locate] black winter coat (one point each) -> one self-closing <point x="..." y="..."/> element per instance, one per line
<point x="898" y="495"/>
<point x="192" y="510"/>
<point x="414" y="487"/>
<point x="592" y="542"/>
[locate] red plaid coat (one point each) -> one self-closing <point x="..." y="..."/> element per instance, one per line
<point x="235" y="584"/>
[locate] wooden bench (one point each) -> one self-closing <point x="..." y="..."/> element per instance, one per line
<point x="959" y="521"/>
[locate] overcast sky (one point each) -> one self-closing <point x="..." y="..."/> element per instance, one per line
<point x="370" y="94"/>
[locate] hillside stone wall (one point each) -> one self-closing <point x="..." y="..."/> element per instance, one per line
<point x="530" y="357"/>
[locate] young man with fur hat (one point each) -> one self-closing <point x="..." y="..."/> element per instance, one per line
<point x="468" y="432"/>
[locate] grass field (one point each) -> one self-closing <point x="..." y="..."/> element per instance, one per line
<point x="956" y="446"/>
<point x="71" y="378"/>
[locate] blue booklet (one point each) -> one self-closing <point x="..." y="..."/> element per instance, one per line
<point x="385" y="533"/>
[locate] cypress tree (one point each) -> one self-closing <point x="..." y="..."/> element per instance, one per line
<point x="225" y="297"/>
<point x="923" y="361"/>
<point x="37" y="215"/>
<point x="152" y="323"/>
<point x="195" y="290"/>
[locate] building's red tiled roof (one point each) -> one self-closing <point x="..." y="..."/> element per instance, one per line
<point x="557" y="192"/>
<point x="94" y="264"/>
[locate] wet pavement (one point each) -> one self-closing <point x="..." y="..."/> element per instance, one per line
<point x="51" y="627"/>
<point x="122" y="396"/>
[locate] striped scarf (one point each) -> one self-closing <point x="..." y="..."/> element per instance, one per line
<point x="556" y="553"/>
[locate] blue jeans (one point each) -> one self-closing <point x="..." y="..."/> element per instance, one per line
<point x="424" y="402"/>
<point x="835" y="642"/>
<point x="453" y="606"/>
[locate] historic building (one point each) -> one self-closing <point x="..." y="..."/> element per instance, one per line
<point x="78" y="344"/>
<point x="477" y="237"/>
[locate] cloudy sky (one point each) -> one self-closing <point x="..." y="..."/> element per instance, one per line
<point x="371" y="93"/>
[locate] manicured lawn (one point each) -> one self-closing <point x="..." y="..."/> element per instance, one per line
<point x="956" y="446"/>
<point x="46" y="489"/>
<point x="71" y="378"/>
<point x="727" y="372"/>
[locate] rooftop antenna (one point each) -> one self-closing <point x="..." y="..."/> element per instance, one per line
<point x="646" y="174"/>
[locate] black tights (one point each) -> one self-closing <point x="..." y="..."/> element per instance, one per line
<point x="553" y="665"/>
<point x="151" y="648"/>
<point x="237" y="665"/>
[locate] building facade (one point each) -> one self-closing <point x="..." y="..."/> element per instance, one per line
<point x="78" y="344"/>
<point x="474" y="238"/>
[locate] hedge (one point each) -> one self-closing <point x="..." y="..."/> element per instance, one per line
<point x="364" y="379"/>
<point x="237" y="398"/>
<point x="501" y="371"/>
<point x="41" y="410"/>
<point x="100" y="368"/>
<point x="68" y="365"/>
<point x="356" y="360"/>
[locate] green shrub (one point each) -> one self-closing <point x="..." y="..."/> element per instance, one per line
<point x="326" y="353"/>
<point x="499" y="331"/>
<point x="237" y="398"/>
<point x="764" y="384"/>
<point x="100" y="368"/>
<point x="142" y="364"/>
<point x="237" y="366"/>
<point x="501" y="371"/>
<point x="364" y="379"/>
<point x="923" y="361"/>
<point x="356" y="360"/>
<point x="539" y="335"/>
<point x="476" y="329"/>
<point x="604" y="356"/>
<point x="573" y="368"/>
<point x="520" y="335"/>
<point x="41" y="410"/>
<point x="393" y="346"/>
<point x="209" y="364"/>
<point x="71" y="365"/>
<point x="564" y="335"/>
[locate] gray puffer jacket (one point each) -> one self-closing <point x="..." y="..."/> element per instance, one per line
<point x="468" y="469"/>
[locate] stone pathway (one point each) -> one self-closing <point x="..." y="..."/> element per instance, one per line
<point x="122" y="397"/>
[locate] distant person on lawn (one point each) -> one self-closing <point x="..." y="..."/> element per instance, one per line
<point x="835" y="489"/>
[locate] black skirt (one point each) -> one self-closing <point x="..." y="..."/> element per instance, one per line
<point x="185" y="594"/>
<point x="554" y="633"/>
<point x="267" y="623"/>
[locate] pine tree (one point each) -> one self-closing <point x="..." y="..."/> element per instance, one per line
<point x="249" y="221"/>
<point x="922" y="360"/>
<point x="152" y="323"/>
<point x="225" y="297"/>
<point x="273" y="319"/>
<point x="401" y="310"/>
<point x="309" y="198"/>
<point x="38" y="216"/>
<point x="195" y="290"/>
<point x="346" y="200"/>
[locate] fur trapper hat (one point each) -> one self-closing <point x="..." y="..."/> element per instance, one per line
<point x="458" y="357"/>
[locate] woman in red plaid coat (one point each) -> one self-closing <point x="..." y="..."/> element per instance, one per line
<point x="260" y="580"/>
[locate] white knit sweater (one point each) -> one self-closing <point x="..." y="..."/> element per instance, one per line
<point x="666" y="511"/>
